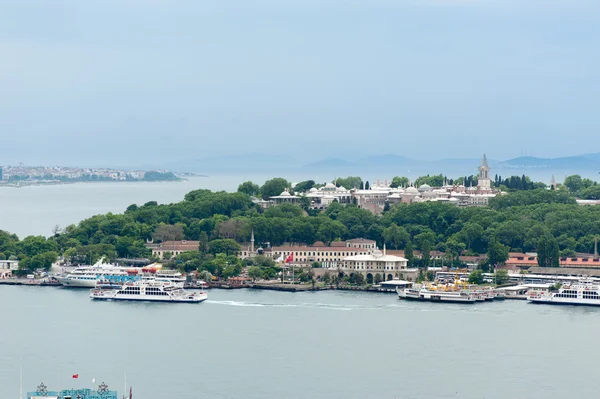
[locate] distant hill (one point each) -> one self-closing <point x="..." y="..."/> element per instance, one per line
<point x="585" y="162"/>
<point x="384" y="165"/>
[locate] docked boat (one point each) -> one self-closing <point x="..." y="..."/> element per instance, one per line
<point x="155" y="291"/>
<point x="583" y="292"/>
<point x="423" y="293"/>
<point x="86" y="276"/>
<point x="103" y="391"/>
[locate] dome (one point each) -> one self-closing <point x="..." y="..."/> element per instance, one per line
<point x="424" y="187"/>
<point x="285" y="193"/>
<point x="341" y="188"/>
<point x="313" y="190"/>
<point x="411" y="191"/>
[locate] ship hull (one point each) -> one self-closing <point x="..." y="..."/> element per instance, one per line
<point x="122" y="297"/>
<point x="73" y="283"/>
<point x="564" y="303"/>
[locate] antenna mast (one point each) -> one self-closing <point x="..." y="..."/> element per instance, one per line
<point x="21" y="382"/>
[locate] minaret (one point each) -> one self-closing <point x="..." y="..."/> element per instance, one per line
<point x="595" y="247"/>
<point x="553" y="183"/>
<point x="483" y="180"/>
<point x="384" y="248"/>
<point x="252" y="242"/>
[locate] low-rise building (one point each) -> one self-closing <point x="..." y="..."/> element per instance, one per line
<point x="389" y="267"/>
<point x="173" y="247"/>
<point x="7" y="267"/>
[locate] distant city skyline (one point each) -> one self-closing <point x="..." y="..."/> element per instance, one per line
<point x="132" y="83"/>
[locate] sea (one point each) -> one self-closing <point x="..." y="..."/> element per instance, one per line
<point x="252" y="344"/>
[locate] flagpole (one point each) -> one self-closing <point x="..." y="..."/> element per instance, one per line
<point x="21" y="381"/>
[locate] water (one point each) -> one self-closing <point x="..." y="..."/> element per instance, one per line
<point x="263" y="344"/>
<point x="37" y="209"/>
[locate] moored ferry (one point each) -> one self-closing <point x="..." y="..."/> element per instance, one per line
<point x="155" y="291"/>
<point x="102" y="391"/>
<point x="422" y="293"/>
<point x="584" y="292"/>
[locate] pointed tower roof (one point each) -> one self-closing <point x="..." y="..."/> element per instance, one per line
<point x="484" y="162"/>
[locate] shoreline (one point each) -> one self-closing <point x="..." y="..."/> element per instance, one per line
<point x="62" y="183"/>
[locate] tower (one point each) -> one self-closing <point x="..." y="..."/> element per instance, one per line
<point x="553" y="183"/>
<point x="483" y="180"/>
<point x="252" y="242"/>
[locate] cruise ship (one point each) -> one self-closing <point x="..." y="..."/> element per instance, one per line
<point x="86" y="276"/>
<point x="155" y="291"/>
<point x="423" y="293"/>
<point x="106" y="274"/>
<point x="583" y="292"/>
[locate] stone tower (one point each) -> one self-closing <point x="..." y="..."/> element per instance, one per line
<point x="483" y="180"/>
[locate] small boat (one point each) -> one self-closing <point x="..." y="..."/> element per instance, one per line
<point x="151" y="290"/>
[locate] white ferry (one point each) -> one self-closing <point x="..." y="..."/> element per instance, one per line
<point x="422" y="293"/>
<point x="156" y="291"/>
<point x="584" y="292"/>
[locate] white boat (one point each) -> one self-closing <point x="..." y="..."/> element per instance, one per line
<point x="86" y="276"/>
<point x="422" y="293"/>
<point x="156" y="291"/>
<point x="583" y="292"/>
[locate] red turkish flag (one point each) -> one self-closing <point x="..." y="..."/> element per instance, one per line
<point x="75" y="375"/>
<point x="289" y="258"/>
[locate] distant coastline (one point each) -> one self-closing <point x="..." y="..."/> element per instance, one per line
<point x="23" y="176"/>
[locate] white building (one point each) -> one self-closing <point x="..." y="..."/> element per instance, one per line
<point x="389" y="267"/>
<point x="7" y="267"/>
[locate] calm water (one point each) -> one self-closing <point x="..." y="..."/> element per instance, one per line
<point x="252" y="344"/>
<point x="37" y="209"/>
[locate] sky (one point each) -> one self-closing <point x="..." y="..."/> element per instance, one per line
<point x="130" y="82"/>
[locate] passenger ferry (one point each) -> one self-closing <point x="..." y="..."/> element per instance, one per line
<point x="102" y="391"/>
<point x="583" y="292"/>
<point x="422" y="293"/>
<point x="156" y="291"/>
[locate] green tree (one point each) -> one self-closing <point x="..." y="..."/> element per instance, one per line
<point x="574" y="183"/>
<point x="304" y="186"/>
<point x="349" y="182"/>
<point x="274" y="187"/>
<point x="501" y="277"/>
<point x="396" y="237"/>
<point x="497" y="253"/>
<point x="255" y="272"/>
<point x="399" y="182"/>
<point x="547" y="252"/>
<point x="476" y="277"/>
<point x="249" y="188"/>
<point x="168" y="232"/>
<point x="378" y="278"/>
<point x="408" y="253"/>
<point x="224" y="246"/>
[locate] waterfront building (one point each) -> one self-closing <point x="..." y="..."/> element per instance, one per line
<point x="174" y="247"/>
<point x="517" y="261"/>
<point x="389" y="267"/>
<point x="7" y="267"/>
<point x="285" y="198"/>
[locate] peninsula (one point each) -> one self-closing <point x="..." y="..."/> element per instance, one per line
<point x="21" y="175"/>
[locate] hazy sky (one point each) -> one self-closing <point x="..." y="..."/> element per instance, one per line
<point x="125" y="81"/>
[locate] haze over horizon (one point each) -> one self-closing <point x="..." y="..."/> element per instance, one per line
<point x="122" y="82"/>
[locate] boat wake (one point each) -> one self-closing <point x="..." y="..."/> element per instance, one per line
<point x="307" y="305"/>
